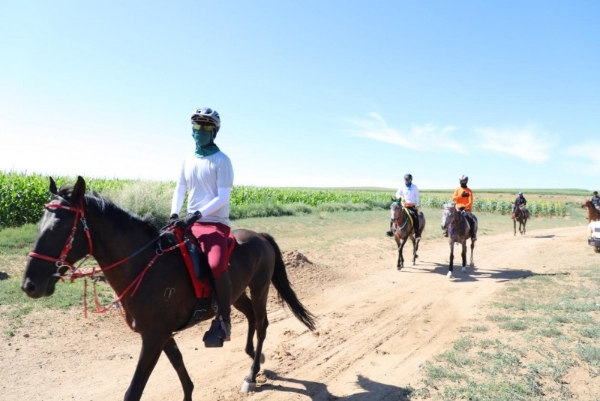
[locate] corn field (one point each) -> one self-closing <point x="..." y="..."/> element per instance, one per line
<point x="536" y="208"/>
<point x="22" y="199"/>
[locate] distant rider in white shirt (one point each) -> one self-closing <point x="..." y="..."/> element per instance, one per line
<point x="409" y="195"/>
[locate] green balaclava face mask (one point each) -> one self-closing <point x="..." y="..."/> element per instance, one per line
<point x="204" y="141"/>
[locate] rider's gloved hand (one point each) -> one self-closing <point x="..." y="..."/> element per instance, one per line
<point x="462" y="208"/>
<point x="465" y="194"/>
<point x="172" y="219"/>
<point x="188" y="220"/>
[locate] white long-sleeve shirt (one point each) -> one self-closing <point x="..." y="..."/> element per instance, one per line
<point x="209" y="181"/>
<point x="409" y="194"/>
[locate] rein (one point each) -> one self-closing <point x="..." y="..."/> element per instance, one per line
<point x="76" y="273"/>
<point x="405" y="220"/>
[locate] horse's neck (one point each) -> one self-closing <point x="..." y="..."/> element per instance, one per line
<point x="114" y="241"/>
<point x="460" y="221"/>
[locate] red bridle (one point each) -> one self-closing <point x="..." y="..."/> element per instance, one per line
<point x="61" y="260"/>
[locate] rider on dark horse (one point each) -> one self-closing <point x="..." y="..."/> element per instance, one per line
<point x="208" y="175"/>
<point x="463" y="197"/>
<point x="596" y="201"/>
<point x="520" y="200"/>
<point x="409" y="195"/>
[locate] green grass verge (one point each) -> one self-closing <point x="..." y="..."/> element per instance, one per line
<point x="538" y="329"/>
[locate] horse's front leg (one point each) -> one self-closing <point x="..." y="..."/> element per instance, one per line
<point x="472" y="248"/>
<point x="151" y="349"/>
<point x="515" y="226"/>
<point x="174" y="355"/>
<point x="451" y="266"/>
<point x="400" y="263"/>
<point x="463" y="254"/>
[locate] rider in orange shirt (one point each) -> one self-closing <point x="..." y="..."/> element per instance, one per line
<point x="463" y="197"/>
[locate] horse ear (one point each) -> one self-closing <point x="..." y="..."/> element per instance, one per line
<point x="79" y="188"/>
<point x="53" y="189"/>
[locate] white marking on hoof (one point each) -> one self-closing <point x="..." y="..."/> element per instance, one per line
<point x="248" y="387"/>
<point x="449" y="275"/>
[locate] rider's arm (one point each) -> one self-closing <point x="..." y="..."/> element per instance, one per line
<point x="224" y="186"/>
<point x="417" y="200"/>
<point x="222" y="199"/>
<point x="179" y="193"/>
<point x="457" y="194"/>
<point x="469" y="204"/>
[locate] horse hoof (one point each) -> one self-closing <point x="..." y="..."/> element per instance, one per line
<point x="463" y="270"/>
<point x="449" y="275"/>
<point x="248" y="387"/>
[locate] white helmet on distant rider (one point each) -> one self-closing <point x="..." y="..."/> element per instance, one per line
<point x="207" y="116"/>
<point x="463" y="179"/>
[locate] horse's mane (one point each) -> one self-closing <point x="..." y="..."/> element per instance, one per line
<point x="112" y="211"/>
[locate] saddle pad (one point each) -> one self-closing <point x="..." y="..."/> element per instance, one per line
<point x="201" y="287"/>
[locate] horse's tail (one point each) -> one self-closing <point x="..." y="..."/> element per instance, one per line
<point x="284" y="289"/>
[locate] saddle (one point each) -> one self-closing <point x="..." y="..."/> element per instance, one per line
<point x="524" y="211"/>
<point x="199" y="271"/>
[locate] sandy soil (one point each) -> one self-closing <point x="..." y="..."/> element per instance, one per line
<point x="376" y="327"/>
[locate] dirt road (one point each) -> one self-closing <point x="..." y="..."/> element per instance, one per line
<point x="376" y="327"/>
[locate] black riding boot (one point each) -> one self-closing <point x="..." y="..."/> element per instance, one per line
<point x="223" y="288"/>
<point x="390" y="232"/>
<point x="416" y="224"/>
<point x="471" y="228"/>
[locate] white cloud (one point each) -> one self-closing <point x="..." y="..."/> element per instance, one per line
<point x="525" y="143"/>
<point x="586" y="155"/>
<point x="426" y="138"/>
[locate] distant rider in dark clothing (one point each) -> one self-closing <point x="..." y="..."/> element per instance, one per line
<point x="596" y="200"/>
<point x="518" y="202"/>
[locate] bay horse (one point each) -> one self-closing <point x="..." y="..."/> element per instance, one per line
<point x="163" y="299"/>
<point x="458" y="232"/>
<point x="593" y="213"/>
<point x="521" y="215"/>
<point x="403" y="229"/>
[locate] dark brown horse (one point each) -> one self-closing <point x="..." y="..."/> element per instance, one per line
<point x="593" y="213"/>
<point x="459" y="231"/>
<point x="403" y="229"/>
<point x="130" y="251"/>
<point x="521" y="215"/>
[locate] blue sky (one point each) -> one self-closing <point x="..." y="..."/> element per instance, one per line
<point x="311" y="94"/>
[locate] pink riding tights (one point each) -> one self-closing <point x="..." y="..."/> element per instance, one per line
<point x="213" y="241"/>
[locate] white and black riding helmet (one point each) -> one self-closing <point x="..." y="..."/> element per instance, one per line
<point x="207" y="116"/>
<point x="408" y="177"/>
<point x="463" y="179"/>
